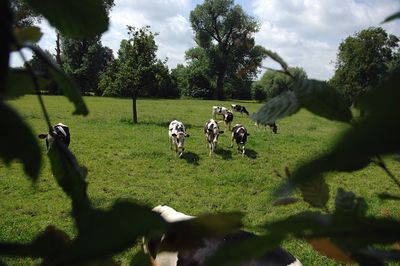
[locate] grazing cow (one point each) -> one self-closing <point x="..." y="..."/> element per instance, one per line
<point x="209" y="246"/>
<point x="60" y="132"/>
<point x="211" y="131"/>
<point x="239" y="134"/>
<point x="218" y="110"/>
<point x="272" y="126"/>
<point x="177" y="134"/>
<point x="228" y="118"/>
<point x="240" y="108"/>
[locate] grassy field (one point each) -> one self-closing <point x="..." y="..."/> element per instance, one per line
<point x="134" y="161"/>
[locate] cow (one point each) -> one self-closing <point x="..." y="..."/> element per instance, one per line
<point x="239" y="134"/>
<point x="211" y="131"/>
<point x="272" y="126"/>
<point x="228" y="118"/>
<point x="240" y="108"/>
<point x="177" y="133"/>
<point x="218" y="110"/>
<point x="209" y="246"/>
<point x="60" y="132"/>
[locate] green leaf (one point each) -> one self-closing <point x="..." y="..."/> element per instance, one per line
<point x="190" y="233"/>
<point x="321" y="99"/>
<point x="140" y="259"/>
<point x="19" y="83"/>
<point x="346" y="202"/>
<point x="112" y="231"/>
<point x="392" y="17"/>
<point x="69" y="88"/>
<point x="315" y="192"/>
<point x="30" y="34"/>
<point x="85" y="18"/>
<point x="18" y="142"/>
<point x="281" y="106"/>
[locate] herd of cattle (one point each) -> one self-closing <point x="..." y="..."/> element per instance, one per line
<point x="196" y="255"/>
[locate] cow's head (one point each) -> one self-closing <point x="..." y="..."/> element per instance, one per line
<point x="228" y="116"/>
<point x="59" y="132"/>
<point x="180" y="139"/>
<point x="240" y="135"/>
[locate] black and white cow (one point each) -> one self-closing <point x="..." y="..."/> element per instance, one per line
<point x="239" y="108"/>
<point x="211" y="131"/>
<point x="177" y="134"/>
<point x="220" y="110"/>
<point x="272" y="126"/>
<point x="228" y="118"/>
<point x="239" y="134"/>
<point x="208" y="247"/>
<point x="60" y="132"/>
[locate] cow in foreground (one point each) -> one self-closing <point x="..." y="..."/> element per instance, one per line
<point x="177" y="134"/>
<point x="239" y="108"/>
<point x="59" y="132"/>
<point x="239" y="134"/>
<point x="211" y="131"/>
<point x="209" y="246"/>
<point x="272" y="126"/>
<point x="220" y="110"/>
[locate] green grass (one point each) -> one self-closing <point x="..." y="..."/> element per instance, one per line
<point x="134" y="161"/>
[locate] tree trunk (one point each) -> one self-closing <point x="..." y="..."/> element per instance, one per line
<point x="58" y="50"/>
<point x="134" y="111"/>
<point x="219" y="89"/>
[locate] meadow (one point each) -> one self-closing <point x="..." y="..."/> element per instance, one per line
<point x="135" y="162"/>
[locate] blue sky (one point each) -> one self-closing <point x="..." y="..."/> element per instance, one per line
<point x="305" y="33"/>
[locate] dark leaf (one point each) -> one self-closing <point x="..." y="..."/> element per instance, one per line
<point x="18" y="142"/>
<point x="184" y="234"/>
<point x="330" y="250"/>
<point x="392" y="17"/>
<point x="315" y="191"/>
<point x="141" y="259"/>
<point x="5" y="43"/>
<point x="85" y="18"/>
<point x="19" y="83"/>
<point x="321" y="99"/>
<point x="30" y="34"/>
<point x="112" y="231"/>
<point x="281" y="106"/>
<point x="285" y="201"/>
<point x="346" y="202"/>
<point x="64" y="82"/>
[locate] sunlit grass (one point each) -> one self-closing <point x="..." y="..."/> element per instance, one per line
<point x="134" y="161"/>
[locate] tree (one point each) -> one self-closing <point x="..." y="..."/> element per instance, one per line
<point x="24" y="16"/>
<point x="224" y="31"/>
<point x="362" y="61"/>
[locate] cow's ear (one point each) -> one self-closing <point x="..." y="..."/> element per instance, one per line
<point x="173" y="134"/>
<point x="221" y="132"/>
<point x="42" y="136"/>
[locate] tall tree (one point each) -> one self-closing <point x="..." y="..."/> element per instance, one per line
<point x="225" y="32"/>
<point x="24" y="16"/>
<point x="362" y="61"/>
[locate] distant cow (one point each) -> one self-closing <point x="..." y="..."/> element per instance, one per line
<point x="239" y="108"/>
<point x="209" y="246"/>
<point x="60" y="132"/>
<point x="272" y="126"/>
<point x="177" y="134"/>
<point x="211" y="131"/>
<point x="228" y="118"/>
<point x="239" y="134"/>
<point x="218" y="110"/>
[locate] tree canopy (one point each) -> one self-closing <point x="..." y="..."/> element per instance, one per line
<point x="362" y="61"/>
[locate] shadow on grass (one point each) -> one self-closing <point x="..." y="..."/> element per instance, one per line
<point x="163" y="124"/>
<point x="251" y="153"/>
<point x="191" y="158"/>
<point x="225" y="154"/>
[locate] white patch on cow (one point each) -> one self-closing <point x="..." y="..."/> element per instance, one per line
<point x="218" y="110"/>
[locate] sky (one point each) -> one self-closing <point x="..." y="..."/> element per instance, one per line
<point x="305" y="33"/>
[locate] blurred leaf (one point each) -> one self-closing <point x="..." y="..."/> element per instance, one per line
<point x="329" y="249"/>
<point x="141" y="259"/>
<point x="85" y="18"/>
<point x="5" y="43"/>
<point x="69" y="88"/>
<point x="19" y="83"/>
<point x="346" y="202"/>
<point x="281" y="106"/>
<point x="18" y="142"/>
<point x="27" y="34"/>
<point x="189" y="233"/>
<point x="315" y="192"/>
<point x="285" y="201"/>
<point x="321" y="99"/>
<point x="274" y="56"/>
<point x="392" y="17"/>
<point x="112" y="231"/>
